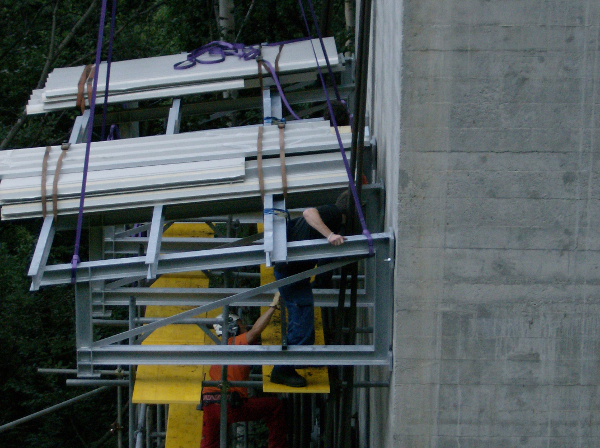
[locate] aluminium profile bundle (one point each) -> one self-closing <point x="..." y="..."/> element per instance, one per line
<point x="152" y="78"/>
<point x="302" y="136"/>
<point x="320" y="171"/>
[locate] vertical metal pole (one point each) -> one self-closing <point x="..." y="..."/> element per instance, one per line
<point x="367" y="435"/>
<point x="224" y="385"/>
<point x="302" y="435"/>
<point x="295" y="441"/>
<point x="166" y="420"/>
<point x="84" y="329"/>
<point x="159" y="421"/>
<point x="148" y="420"/>
<point x="267" y="113"/>
<point x="227" y="272"/>
<point x="139" y="433"/>
<point x="131" y="376"/>
<point x="119" y="417"/>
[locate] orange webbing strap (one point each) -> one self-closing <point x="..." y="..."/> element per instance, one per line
<point x="90" y="85"/>
<point x="277" y="59"/>
<point x="282" y="158"/>
<point x="260" y="77"/>
<point x="44" y="172"/>
<point x="63" y="153"/>
<point x="80" y="86"/>
<point x="261" y="180"/>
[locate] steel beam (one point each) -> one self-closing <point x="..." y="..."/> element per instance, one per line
<point x="174" y="117"/>
<point x="268" y="226"/>
<point x="78" y="132"/>
<point x="132" y="245"/>
<point x="40" y="255"/>
<point x="210" y="259"/>
<point x="323" y="355"/>
<point x="275" y="241"/>
<point x="147" y="329"/>
<point x="279" y="231"/>
<point x="154" y="240"/>
<point x="200" y="296"/>
<point x="130" y="232"/>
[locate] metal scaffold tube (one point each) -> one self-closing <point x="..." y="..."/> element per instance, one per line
<point x="51" y="409"/>
<point x="139" y="432"/>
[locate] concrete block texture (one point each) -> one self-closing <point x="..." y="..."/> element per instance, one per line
<point x="496" y="208"/>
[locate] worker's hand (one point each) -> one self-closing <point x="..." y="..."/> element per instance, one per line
<point x="335" y="239"/>
<point x="275" y="302"/>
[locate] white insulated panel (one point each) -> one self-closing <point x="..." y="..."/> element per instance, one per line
<point x="158" y="71"/>
<point x="181" y="148"/>
<point x="314" y="172"/>
<point x="37" y="105"/>
<point x="152" y="78"/>
<point x="126" y="180"/>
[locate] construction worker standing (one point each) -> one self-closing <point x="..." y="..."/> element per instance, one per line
<point x="240" y="407"/>
<point x="321" y="222"/>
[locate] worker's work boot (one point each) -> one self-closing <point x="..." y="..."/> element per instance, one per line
<point x="287" y="376"/>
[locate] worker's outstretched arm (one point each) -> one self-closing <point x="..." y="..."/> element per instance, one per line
<point x="313" y="218"/>
<point x="262" y="322"/>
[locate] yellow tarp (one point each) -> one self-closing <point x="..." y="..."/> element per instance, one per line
<point x="184" y="427"/>
<point x="178" y="386"/>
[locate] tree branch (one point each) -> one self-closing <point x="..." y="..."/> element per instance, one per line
<point x="250" y="8"/>
<point x="23" y="116"/>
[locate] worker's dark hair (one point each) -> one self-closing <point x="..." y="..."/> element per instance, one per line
<point x="342" y="202"/>
<point x="340" y="112"/>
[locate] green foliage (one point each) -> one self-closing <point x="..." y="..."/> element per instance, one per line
<point x="37" y="331"/>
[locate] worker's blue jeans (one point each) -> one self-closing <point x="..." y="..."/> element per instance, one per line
<point x="300" y="307"/>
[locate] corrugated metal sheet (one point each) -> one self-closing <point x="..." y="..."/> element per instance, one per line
<point x="126" y="180"/>
<point x="313" y="172"/>
<point x="182" y="148"/>
<point x="173" y="169"/>
<point x="156" y="78"/>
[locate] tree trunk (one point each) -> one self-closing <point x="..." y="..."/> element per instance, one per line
<point x="226" y="20"/>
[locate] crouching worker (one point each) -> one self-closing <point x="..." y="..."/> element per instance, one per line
<point x="240" y="407"/>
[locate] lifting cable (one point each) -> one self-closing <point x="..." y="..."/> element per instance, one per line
<point x="92" y="99"/>
<point x="108" y="64"/>
<point x="365" y="230"/>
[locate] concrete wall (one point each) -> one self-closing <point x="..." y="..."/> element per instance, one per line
<point x="487" y="117"/>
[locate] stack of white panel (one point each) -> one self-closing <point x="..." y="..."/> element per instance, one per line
<point x="173" y="169"/>
<point x="152" y="78"/>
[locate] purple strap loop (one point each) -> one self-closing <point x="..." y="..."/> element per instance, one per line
<point x="246" y="52"/>
<point x="224" y="49"/>
<point x="217" y="48"/>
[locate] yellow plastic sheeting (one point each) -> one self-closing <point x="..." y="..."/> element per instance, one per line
<point x="189" y="230"/>
<point x="316" y="377"/>
<point x="190" y="281"/>
<point x="176" y="334"/>
<point x="184" y="427"/>
<point x="171" y="384"/>
<point x="174" y="384"/>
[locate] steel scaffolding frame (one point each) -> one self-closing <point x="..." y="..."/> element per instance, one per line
<point x="105" y="282"/>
